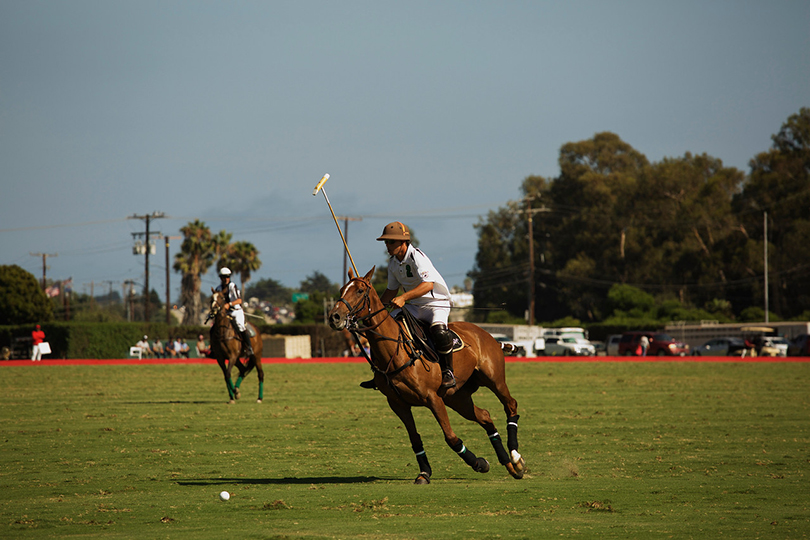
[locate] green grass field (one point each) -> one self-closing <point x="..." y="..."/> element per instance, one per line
<point x="614" y="450"/>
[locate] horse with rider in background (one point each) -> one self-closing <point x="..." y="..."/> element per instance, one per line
<point x="227" y="347"/>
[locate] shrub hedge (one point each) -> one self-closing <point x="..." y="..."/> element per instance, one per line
<point x="112" y="340"/>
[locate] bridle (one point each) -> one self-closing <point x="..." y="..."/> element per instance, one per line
<point x="353" y="320"/>
<point x="213" y="313"/>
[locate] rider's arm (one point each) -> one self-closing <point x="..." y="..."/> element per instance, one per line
<point x="388" y="295"/>
<point x="420" y="290"/>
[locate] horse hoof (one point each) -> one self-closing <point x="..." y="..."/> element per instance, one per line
<point x="258" y="401"/>
<point x="516" y="474"/>
<point x="481" y="465"/>
<point x="422" y="479"/>
<point x="236" y="393"/>
<point x="231" y="402"/>
<point x="519" y="465"/>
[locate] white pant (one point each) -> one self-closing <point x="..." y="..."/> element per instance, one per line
<point x="428" y="314"/>
<point x="239" y="316"/>
<point x="36" y="354"/>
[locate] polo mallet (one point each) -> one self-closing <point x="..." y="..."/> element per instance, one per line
<point x="315" y="191"/>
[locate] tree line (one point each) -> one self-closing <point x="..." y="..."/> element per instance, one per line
<point x="686" y="232"/>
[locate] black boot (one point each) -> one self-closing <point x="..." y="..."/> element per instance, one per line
<point x="446" y="363"/>
<point x="371" y="385"/>
<point x="247" y="349"/>
<point x="443" y="341"/>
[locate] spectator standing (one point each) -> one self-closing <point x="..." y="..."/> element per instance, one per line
<point x="38" y="336"/>
<point x="645" y="344"/>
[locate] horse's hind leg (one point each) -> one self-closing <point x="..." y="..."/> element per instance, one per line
<point x="497" y="383"/>
<point x="260" y="373"/>
<point x="463" y="404"/>
<point x="405" y="414"/>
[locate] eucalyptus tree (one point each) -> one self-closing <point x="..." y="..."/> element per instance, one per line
<point x="779" y="185"/>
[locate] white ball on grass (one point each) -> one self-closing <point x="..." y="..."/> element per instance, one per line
<point x="224" y="495"/>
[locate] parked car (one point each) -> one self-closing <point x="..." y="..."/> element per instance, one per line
<point x="568" y="346"/>
<point x="612" y="346"/>
<point x="660" y="344"/>
<point x="799" y="346"/>
<point x="724" y="346"/>
<point x="773" y="346"/>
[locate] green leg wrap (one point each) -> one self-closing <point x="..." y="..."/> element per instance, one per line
<point x="261" y="390"/>
<point x="229" y="384"/>
<point x="239" y="380"/>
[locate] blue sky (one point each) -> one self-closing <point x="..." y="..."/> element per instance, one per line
<point x="431" y="113"/>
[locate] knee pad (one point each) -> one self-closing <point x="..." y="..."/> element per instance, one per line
<point x="442" y="338"/>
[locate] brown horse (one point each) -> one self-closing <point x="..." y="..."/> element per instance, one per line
<point x="408" y="380"/>
<point x="226" y="347"/>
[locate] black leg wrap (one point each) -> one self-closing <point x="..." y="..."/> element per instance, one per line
<point x="497" y="444"/>
<point x="467" y="455"/>
<point x="511" y="432"/>
<point x="421" y="460"/>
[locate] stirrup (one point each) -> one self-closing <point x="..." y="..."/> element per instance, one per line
<point x="448" y="380"/>
<point x="371" y="385"/>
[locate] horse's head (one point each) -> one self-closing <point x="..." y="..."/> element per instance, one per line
<point x="354" y="303"/>
<point x="217" y="301"/>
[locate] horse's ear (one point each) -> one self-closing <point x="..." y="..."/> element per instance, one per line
<point x="212" y="290"/>
<point x="370" y="273"/>
<point x="351" y="274"/>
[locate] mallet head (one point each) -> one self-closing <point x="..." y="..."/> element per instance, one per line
<point x="320" y="184"/>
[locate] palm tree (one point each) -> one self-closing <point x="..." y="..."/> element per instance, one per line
<point x="242" y="258"/>
<point x="197" y="254"/>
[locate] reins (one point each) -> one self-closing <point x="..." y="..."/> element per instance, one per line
<point x="403" y="342"/>
<point x="221" y="320"/>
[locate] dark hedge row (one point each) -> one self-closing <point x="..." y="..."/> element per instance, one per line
<point x="113" y="340"/>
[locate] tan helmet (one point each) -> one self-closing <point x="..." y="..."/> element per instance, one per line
<point x="396" y="231"/>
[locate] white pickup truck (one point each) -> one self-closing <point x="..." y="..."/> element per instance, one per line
<point x="568" y="345"/>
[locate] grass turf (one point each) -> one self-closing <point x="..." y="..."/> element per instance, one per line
<point x="621" y="450"/>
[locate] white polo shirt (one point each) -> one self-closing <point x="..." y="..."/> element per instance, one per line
<point x="231" y="295"/>
<point x="414" y="269"/>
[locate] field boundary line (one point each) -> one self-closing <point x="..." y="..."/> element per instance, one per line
<point x="360" y="360"/>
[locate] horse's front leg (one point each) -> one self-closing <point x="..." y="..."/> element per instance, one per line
<point x="226" y="372"/>
<point x="437" y="407"/>
<point x="233" y="388"/>
<point x="403" y="411"/>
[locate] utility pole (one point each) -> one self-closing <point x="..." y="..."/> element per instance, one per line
<point x="346" y="221"/>
<point x="765" y="225"/>
<point x="128" y="298"/>
<point x="168" y="294"/>
<point x="147" y="218"/>
<point x="44" y="263"/>
<point x="530" y="216"/>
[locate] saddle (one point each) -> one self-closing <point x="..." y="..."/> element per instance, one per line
<point x="419" y="333"/>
